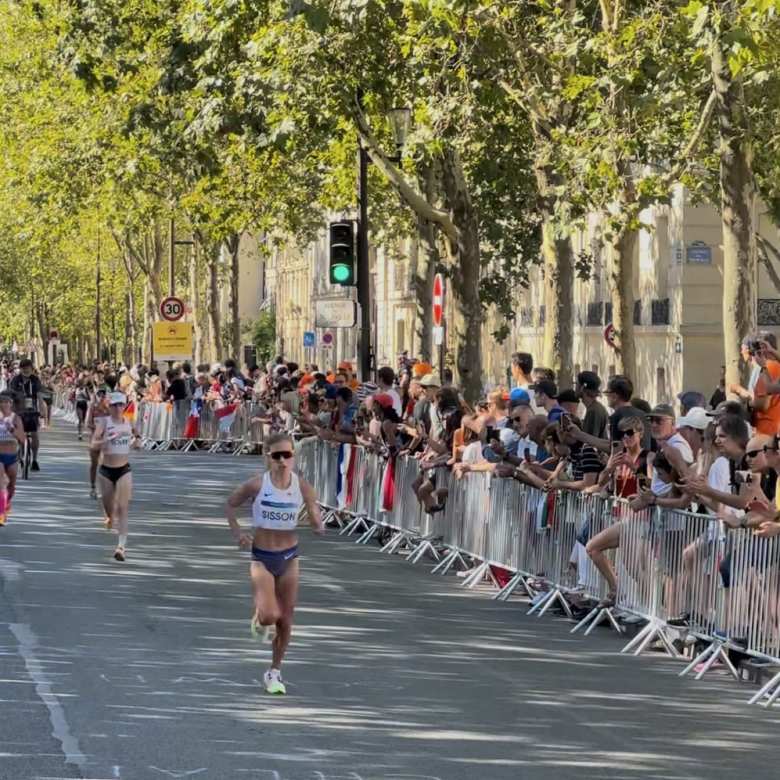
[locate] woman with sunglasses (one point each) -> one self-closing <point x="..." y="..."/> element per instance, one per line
<point x="113" y="437"/>
<point x="277" y="498"/>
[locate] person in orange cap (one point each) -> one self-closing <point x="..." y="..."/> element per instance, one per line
<point x="421" y="369"/>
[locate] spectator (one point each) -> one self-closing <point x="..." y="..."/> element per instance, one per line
<point x="719" y="396"/>
<point x="689" y="400"/>
<point x="627" y="468"/>
<point x="692" y="425"/>
<point x="385" y="379"/>
<point x="596" y="418"/>
<point x="546" y="399"/>
<point x="569" y="401"/>
<point x="581" y="463"/>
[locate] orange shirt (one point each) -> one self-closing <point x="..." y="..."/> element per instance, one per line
<point x="768" y="421"/>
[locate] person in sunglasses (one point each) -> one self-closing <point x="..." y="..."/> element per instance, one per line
<point x="277" y="497"/>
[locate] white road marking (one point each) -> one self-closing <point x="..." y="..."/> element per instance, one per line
<point x="28" y="642"/>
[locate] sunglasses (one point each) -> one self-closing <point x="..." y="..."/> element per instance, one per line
<point x="627" y="432"/>
<point x="516" y="420"/>
<point x="285" y="454"/>
<point x="754" y="453"/>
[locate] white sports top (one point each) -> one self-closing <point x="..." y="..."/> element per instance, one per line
<point x="277" y="509"/>
<point x="117" y="437"/>
<point x="7" y="425"/>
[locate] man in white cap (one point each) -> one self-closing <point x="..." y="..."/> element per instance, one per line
<point x="691" y="427"/>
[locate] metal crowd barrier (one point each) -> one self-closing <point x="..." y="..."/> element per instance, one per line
<point x="668" y="563"/>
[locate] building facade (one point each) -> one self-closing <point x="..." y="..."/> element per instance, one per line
<point x="677" y="287"/>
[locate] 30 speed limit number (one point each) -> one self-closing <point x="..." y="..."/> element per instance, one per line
<point x="172" y="309"/>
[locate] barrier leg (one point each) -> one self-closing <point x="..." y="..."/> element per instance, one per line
<point x="369" y="534"/>
<point x="357" y="522"/>
<point x="772" y="685"/>
<point x="448" y="561"/>
<point x="423" y="547"/>
<point x="542" y="601"/>
<point x="717" y="650"/>
<point x="402" y="537"/>
<point x="482" y="571"/>
<point x="512" y="585"/>
<point x="557" y="596"/>
<point x="595" y="618"/>
<point x="654" y="630"/>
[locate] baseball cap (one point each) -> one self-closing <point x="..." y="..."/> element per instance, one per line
<point x="697" y="417"/>
<point x="692" y="398"/>
<point x="117" y="398"/>
<point x="430" y="380"/>
<point x="547" y="387"/>
<point x="662" y="410"/>
<point x="384" y="400"/>
<point x="589" y="380"/>
<point x="519" y="397"/>
<point x="421" y="369"/>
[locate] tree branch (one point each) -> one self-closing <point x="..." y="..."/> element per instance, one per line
<point x="407" y="191"/>
<point x="704" y="120"/>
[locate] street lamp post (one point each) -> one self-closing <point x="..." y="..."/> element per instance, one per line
<point x="400" y="122"/>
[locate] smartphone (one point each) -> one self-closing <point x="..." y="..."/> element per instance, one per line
<point x="493" y="435"/>
<point x="565" y="422"/>
<point x="616" y="445"/>
<point x="527" y="454"/>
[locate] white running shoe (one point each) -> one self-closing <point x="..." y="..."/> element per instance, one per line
<point x="272" y="680"/>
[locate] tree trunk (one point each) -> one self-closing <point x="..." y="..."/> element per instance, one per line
<point x="622" y="249"/>
<point x="737" y="193"/>
<point x="465" y="278"/>
<point x="146" y="345"/>
<point x="234" y="348"/>
<point x="422" y="271"/>
<point x="215" y="325"/>
<point x="197" y="331"/>
<point x="558" y="345"/>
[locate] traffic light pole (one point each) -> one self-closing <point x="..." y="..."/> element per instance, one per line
<point x="363" y="280"/>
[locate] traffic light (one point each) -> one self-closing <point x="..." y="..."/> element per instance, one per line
<point x="343" y="262"/>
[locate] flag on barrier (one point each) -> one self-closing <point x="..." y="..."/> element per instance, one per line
<point x="388" y="485"/>
<point x="225" y="416"/>
<point x="345" y="475"/>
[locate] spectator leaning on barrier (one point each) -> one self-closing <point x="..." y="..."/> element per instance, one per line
<point x="627" y="468"/>
<point x="581" y="463"/>
<point x="691" y="427"/>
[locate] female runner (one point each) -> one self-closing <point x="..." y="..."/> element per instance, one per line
<point x="277" y="497"/>
<point x="98" y="410"/>
<point x="113" y="437"/>
<point x="11" y="436"/>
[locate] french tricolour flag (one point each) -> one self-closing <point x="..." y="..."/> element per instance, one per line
<point x="225" y="416"/>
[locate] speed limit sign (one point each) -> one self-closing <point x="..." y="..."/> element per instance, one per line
<point x="172" y="309"/>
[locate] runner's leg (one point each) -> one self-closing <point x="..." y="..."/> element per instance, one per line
<point x="123" y="492"/>
<point x="287" y="597"/>
<point x="36" y="443"/>
<point x="10" y="472"/>
<point x="107" y="497"/>
<point x="94" y="459"/>
<point x="267" y="611"/>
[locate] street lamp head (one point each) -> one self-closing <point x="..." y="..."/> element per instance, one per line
<point x="400" y="122"/>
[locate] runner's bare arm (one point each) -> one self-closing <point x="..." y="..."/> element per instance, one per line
<point x="312" y="507"/>
<point x="243" y="493"/>
<point x="98" y="437"/>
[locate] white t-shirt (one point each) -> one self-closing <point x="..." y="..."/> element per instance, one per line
<point x="396" y="400"/>
<point x="472" y="453"/>
<point x="657" y="486"/>
<point x="718" y="477"/>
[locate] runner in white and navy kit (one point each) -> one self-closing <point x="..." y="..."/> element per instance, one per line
<point x="277" y="497"/>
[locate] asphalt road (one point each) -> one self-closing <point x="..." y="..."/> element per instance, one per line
<point x="146" y="670"/>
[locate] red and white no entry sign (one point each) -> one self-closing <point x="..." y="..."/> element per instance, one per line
<point x="172" y="309"/>
<point x="438" y="299"/>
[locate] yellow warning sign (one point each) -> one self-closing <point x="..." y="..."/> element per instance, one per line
<point x="172" y="341"/>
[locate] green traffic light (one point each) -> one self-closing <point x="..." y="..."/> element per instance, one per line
<point x="341" y="274"/>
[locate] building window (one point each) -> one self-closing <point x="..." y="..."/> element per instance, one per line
<point x="768" y="311"/>
<point x="660" y="385"/>
<point x="542" y="315"/>
<point x="638" y="312"/>
<point x="526" y="316"/>
<point x="595" y="313"/>
<point x="660" y="312"/>
<point x="607" y="312"/>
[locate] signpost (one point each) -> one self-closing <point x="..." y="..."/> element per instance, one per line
<point x="172" y="341"/>
<point x="609" y="335"/>
<point x="309" y="339"/>
<point x="171" y="309"/>
<point x="335" y="313"/>
<point x="327" y="340"/>
<point x="438" y="319"/>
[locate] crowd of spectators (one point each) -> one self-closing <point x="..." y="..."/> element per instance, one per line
<point x="715" y="456"/>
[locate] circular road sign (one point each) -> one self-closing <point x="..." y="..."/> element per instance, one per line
<point x="438" y="299"/>
<point x="172" y="309"/>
